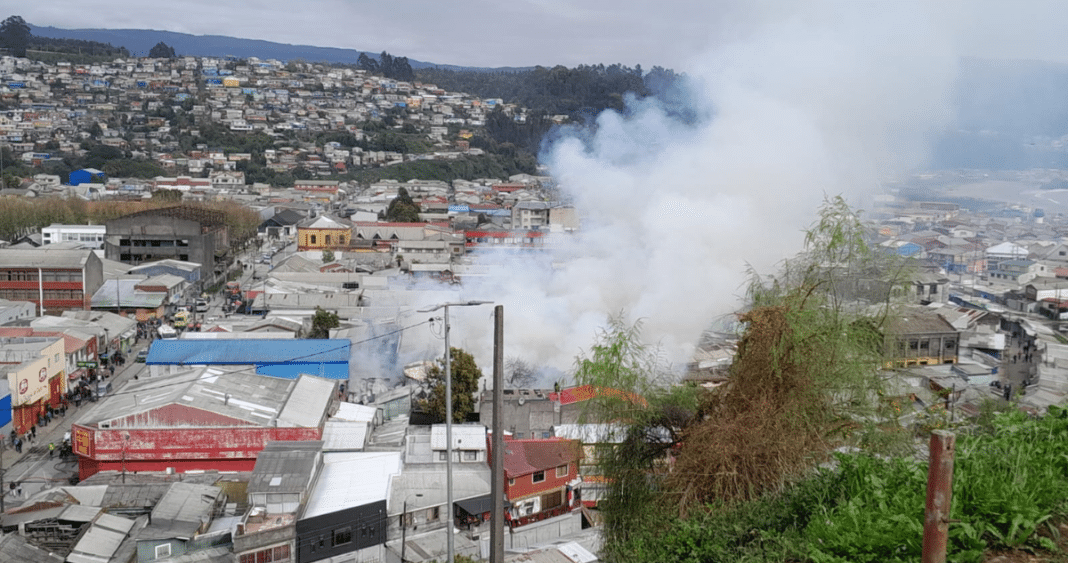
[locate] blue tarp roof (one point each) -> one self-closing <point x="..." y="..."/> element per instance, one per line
<point x="194" y="352"/>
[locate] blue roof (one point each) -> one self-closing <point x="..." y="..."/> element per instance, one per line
<point x="245" y="352"/>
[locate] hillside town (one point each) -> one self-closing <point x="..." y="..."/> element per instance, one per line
<point x="164" y="399"/>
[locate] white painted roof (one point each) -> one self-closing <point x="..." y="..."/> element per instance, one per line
<point x="352" y="479"/>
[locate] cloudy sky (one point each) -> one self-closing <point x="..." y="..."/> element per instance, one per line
<point x="547" y="32"/>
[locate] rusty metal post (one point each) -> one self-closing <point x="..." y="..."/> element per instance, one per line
<point x="939" y="496"/>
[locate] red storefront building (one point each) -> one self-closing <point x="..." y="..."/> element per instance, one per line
<point x="34" y="368"/>
<point x="203" y="419"/>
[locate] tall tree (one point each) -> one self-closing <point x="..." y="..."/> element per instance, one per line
<point x="365" y="62"/>
<point x="402" y="209"/>
<point x="162" y="51"/>
<point x="15" y="35"/>
<point x="322" y="322"/>
<point x="465" y="376"/>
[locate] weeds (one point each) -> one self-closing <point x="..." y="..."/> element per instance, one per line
<point x="1010" y="483"/>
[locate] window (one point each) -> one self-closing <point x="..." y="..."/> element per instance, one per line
<point x="281" y="553"/>
<point x="561" y="471"/>
<point x="312" y="237"/>
<point x="432" y="514"/>
<point x="264" y="556"/>
<point x="248" y="558"/>
<point x="342" y="536"/>
<point x="163" y="550"/>
<point x="470" y="455"/>
<point x="511" y="482"/>
<point x="442" y="456"/>
<point x="538" y="477"/>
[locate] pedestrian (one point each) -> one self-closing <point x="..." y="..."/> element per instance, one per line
<point x="18" y="491"/>
<point x="18" y="445"/>
<point x="51" y="448"/>
<point x="33" y="431"/>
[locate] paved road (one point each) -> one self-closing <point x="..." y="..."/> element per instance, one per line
<point x="34" y="468"/>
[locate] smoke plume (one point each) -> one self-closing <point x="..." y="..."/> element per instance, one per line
<point x="791" y="106"/>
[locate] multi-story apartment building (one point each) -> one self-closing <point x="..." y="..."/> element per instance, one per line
<point x="53" y="279"/>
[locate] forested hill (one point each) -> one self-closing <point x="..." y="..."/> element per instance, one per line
<point x="555" y="91"/>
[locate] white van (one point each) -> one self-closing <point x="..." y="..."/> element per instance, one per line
<point x="201" y="306"/>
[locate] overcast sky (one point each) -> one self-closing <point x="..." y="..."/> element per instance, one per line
<point x="546" y="32"/>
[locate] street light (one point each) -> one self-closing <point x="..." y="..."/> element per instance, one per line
<point x="448" y="416"/>
<point x="404" y="523"/>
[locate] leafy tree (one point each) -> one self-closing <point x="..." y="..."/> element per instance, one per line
<point x="402" y="209"/>
<point x="162" y="51"/>
<point x="465" y="376"/>
<point x="328" y="256"/>
<point x="15" y="35"/>
<point x="322" y="322"/>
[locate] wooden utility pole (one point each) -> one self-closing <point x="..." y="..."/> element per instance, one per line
<point x="939" y="496"/>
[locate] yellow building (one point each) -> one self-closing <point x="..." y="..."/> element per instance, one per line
<point x="323" y="233"/>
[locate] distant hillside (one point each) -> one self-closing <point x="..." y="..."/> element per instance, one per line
<point x="140" y="41"/>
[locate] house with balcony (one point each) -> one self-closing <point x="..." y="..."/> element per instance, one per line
<point x="541" y="479"/>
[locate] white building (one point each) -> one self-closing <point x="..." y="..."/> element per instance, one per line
<point x="92" y="236"/>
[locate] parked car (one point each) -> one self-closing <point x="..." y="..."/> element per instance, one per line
<point x="142" y="356"/>
<point x="202" y="305"/>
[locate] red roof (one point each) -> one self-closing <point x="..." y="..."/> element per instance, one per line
<point x="587" y="392"/>
<point x="523" y="457"/>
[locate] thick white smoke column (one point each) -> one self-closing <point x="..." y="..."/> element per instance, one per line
<point x="799" y="106"/>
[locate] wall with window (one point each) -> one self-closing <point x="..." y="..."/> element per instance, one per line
<point x="344" y="531"/>
<point x="539" y="483"/>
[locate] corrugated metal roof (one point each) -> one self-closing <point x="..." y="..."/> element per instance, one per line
<point x="527" y="456"/>
<point x="44" y="258"/>
<point x="464" y="437"/>
<point x="14" y="547"/>
<point x="351" y="412"/>
<point x="285" y="467"/>
<point x="469" y="480"/>
<point x="344" y="436"/>
<point x="126" y="295"/>
<point x="233" y="351"/>
<point x="101" y="540"/>
<point x="79" y="513"/>
<point x="182" y="510"/>
<point x="308" y="401"/>
<point x="240" y="395"/>
<point x="352" y="479"/>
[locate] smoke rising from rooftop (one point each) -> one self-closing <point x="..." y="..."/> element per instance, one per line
<point x="792" y="106"/>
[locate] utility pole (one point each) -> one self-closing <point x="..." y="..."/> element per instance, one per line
<point x="497" y="480"/>
<point x="448" y="421"/>
<point x="939" y="496"/>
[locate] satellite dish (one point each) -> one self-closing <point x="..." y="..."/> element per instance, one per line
<point x="521" y="401"/>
